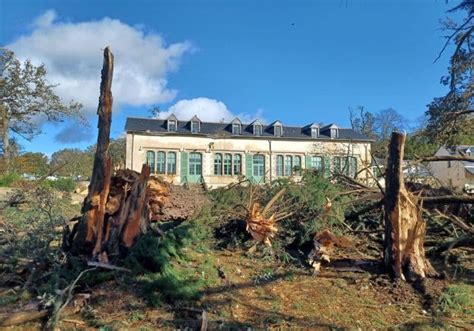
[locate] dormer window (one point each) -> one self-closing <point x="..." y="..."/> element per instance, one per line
<point x="330" y="130"/>
<point x="314" y="132"/>
<point x="172" y="126"/>
<point x="257" y="127"/>
<point x="236" y="129"/>
<point x="278" y="130"/>
<point x="194" y="127"/>
<point x="172" y="123"/>
<point x="236" y="126"/>
<point x="195" y="124"/>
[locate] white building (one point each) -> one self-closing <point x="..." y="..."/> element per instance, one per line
<point x="222" y="153"/>
<point x="456" y="174"/>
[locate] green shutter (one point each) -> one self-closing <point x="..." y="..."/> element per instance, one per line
<point x="248" y="166"/>
<point x="308" y="162"/>
<point x="184" y="166"/>
<point x="327" y="166"/>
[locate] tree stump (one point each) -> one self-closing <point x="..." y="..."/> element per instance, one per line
<point x="405" y="229"/>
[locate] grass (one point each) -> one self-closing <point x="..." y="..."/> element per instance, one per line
<point x="457" y="298"/>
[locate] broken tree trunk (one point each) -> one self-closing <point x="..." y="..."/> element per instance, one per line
<point x="94" y="204"/>
<point x="118" y="208"/>
<point x="404" y="254"/>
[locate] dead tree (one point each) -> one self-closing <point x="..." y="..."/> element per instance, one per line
<point x="119" y="207"/>
<point x="404" y="254"/>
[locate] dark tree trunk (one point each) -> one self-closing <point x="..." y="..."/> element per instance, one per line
<point x="404" y="254"/>
<point x="4" y="125"/>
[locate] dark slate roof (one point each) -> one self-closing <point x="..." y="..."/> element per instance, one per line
<point x="158" y="126"/>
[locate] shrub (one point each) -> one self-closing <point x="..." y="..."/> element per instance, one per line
<point x="61" y="184"/>
<point x="8" y="179"/>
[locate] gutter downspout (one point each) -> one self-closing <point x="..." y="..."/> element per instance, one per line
<point x="132" y="151"/>
<point x="270" y="151"/>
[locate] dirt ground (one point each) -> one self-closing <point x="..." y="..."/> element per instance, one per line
<point x="350" y="293"/>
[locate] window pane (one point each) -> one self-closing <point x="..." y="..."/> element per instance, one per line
<point x="150" y="160"/>
<point x="258" y="165"/>
<point x="171" y="163"/>
<point x="237" y="164"/>
<point x="160" y="162"/>
<point x="317" y="163"/>
<point x="235" y="128"/>
<point x="228" y="164"/>
<point x="279" y="165"/>
<point x="297" y="165"/>
<point x="258" y="130"/>
<point x="288" y="165"/>
<point x="314" y="132"/>
<point x="352" y="167"/>
<point x="278" y="131"/>
<point x="195" y="164"/>
<point x="194" y="127"/>
<point x="171" y="125"/>
<point x="218" y="164"/>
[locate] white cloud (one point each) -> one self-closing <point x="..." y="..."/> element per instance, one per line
<point x="72" y="53"/>
<point x="208" y="110"/>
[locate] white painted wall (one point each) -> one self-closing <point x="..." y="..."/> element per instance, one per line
<point x="139" y="144"/>
<point x="454" y="175"/>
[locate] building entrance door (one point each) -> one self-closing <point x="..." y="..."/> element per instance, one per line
<point x="195" y="168"/>
<point x="258" y="168"/>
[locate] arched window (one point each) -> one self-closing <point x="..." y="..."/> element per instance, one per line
<point x="150" y="160"/>
<point x="297" y="165"/>
<point x="218" y="164"/>
<point x="171" y="163"/>
<point x="279" y="165"/>
<point x="227" y="164"/>
<point x="237" y="164"/>
<point x="257" y="129"/>
<point x="160" y="162"/>
<point x="288" y="165"/>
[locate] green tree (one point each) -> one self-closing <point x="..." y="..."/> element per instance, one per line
<point x="116" y="152"/>
<point x="31" y="163"/>
<point x="25" y="97"/>
<point x="72" y="162"/>
<point x="451" y="117"/>
<point x="363" y="122"/>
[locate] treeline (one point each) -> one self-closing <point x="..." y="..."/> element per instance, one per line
<point x="68" y="162"/>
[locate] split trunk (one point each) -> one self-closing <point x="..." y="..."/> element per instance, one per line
<point x="405" y="229"/>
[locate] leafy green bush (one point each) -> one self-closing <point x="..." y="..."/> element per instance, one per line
<point x="8" y="179"/>
<point x="61" y="184"/>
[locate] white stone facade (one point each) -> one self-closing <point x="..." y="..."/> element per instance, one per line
<point x="138" y="144"/>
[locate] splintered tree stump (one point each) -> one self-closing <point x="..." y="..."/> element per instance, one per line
<point x="117" y="208"/>
<point x="405" y="229"/>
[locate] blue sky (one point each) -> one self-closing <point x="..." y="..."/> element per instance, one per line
<point x="296" y="61"/>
